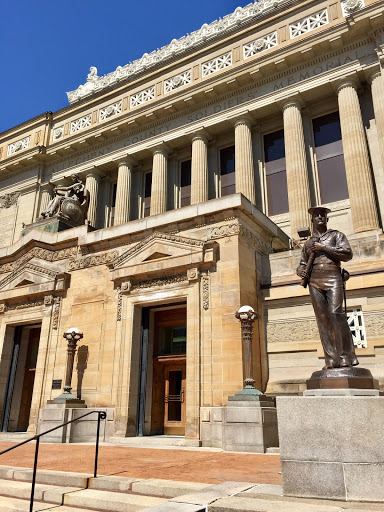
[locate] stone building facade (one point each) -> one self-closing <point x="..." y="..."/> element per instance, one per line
<point x="201" y="160"/>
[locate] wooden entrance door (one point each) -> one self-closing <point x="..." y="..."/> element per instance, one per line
<point x="169" y="371"/>
<point x="29" y="379"/>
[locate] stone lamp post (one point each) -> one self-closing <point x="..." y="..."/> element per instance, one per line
<point x="247" y="316"/>
<point x="73" y="335"/>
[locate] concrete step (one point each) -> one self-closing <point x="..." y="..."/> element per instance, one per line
<point x="154" y="441"/>
<point x="16" y="505"/>
<point x="43" y="492"/>
<point x="111" y="501"/>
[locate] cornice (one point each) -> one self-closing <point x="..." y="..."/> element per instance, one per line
<point x="199" y="38"/>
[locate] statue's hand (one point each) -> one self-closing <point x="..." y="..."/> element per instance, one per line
<point x="317" y="247"/>
<point x="301" y="272"/>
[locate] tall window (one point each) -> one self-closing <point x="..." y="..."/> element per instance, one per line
<point x="276" y="174"/>
<point x="147" y="193"/>
<point x="185" y="183"/>
<point x="330" y="158"/>
<point x="227" y="171"/>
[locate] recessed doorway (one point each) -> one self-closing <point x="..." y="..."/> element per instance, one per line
<point x="21" y="378"/>
<point x="169" y="372"/>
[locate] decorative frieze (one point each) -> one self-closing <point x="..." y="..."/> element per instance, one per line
<point x="17" y="146"/>
<point x="29" y="266"/>
<point x="260" y="45"/>
<point x="21" y="305"/>
<point x="178" y="81"/>
<point x="222" y="231"/>
<point x="8" y="200"/>
<point x="309" y="23"/>
<point x="110" y="111"/>
<point x="58" y="133"/>
<point x="91" y="261"/>
<point x="286" y="331"/>
<point x="81" y="123"/>
<point x="217" y="64"/>
<point x="160" y="282"/>
<point x="142" y="97"/>
<point x="350" y="6"/>
<point x="56" y="312"/>
<point x="176" y="47"/>
<point x="38" y="252"/>
<point x="205" y="290"/>
<point x="119" y="305"/>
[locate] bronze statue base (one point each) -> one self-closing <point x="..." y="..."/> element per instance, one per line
<point x="349" y="377"/>
<point x="51" y="225"/>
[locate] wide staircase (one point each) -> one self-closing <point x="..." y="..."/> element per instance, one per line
<point x="76" y="492"/>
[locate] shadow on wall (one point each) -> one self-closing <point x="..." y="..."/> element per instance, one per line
<point x="82" y="360"/>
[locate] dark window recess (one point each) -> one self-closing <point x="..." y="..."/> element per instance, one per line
<point x="330" y="158"/>
<point x="147" y="193"/>
<point x="172" y="340"/>
<point x="276" y="173"/>
<point x="185" y="183"/>
<point x="227" y="171"/>
<point x="113" y="204"/>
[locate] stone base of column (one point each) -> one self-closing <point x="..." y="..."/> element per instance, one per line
<point x="331" y="447"/>
<point x="241" y="426"/>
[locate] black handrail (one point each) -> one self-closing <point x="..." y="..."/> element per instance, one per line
<point x="101" y="416"/>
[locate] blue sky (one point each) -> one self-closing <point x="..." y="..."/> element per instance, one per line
<point x="47" y="46"/>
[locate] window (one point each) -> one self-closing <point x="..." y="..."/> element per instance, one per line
<point x="147" y="193"/>
<point x="113" y="204"/>
<point x="330" y="158"/>
<point x="275" y="173"/>
<point x="172" y="340"/>
<point x="227" y="171"/>
<point x="185" y="183"/>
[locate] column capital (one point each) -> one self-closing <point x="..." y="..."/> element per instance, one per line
<point x="161" y="150"/>
<point x="94" y="172"/>
<point x="349" y="81"/>
<point x="199" y="135"/>
<point x="128" y="161"/>
<point x="375" y="74"/>
<point x="242" y="120"/>
<point x="292" y="102"/>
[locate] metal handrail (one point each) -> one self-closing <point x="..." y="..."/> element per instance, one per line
<point x="101" y="416"/>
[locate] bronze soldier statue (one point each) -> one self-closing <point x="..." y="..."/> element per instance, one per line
<point x="320" y="268"/>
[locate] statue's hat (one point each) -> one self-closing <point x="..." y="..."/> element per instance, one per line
<point x="314" y="209"/>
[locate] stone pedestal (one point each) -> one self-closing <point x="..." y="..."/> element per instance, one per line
<point x="332" y="446"/>
<point x="241" y="426"/>
<point x="50" y="225"/>
<point x="82" y="431"/>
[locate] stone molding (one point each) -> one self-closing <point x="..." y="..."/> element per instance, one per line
<point x="34" y="268"/>
<point x="8" y="200"/>
<point x="21" y="305"/>
<point x="205" y="289"/>
<point x="232" y="229"/>
<point x="159" y="282"/>
<point x="350" y="6"/>
<point x="91" y="261"/>
<point x="189" y="242"/>
<point x="38" y="252"/>
<point x="177" y="46"/>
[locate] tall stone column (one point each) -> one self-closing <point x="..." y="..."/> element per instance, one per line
<point x="199" y="169"/>
<point x="46" y="196"/>
<point x="357" y="166"/>
<point x="123" y="193"/>
<point x="377" y="88"/>
<point x="159" y="181"/>
<point x="297" y="170"/>
<point x="245" y="174"/>
<point x="92" y="185"/>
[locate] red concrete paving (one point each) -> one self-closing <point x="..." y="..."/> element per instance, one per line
<point x="179" y="465"/>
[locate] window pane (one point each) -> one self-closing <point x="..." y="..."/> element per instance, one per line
<point x="326" y="129"/>
<point x="330" y="158"/>
<point x="172" y="340"/>
<point x="113" y="204"/>
<point x="277" y="193"/>
<point x="332" y="179"/>
<point x="147" y="193"/>
<point x="227" y="160"/>
<point x="185" y="183"/>
<point x="276" y="175"/>
<point x="274" y="146"/>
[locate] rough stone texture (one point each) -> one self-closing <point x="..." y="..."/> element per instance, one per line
<point x="245" y="426"/>
<point x="110" y="501"/>
<point x="166" y="488"/>
<point x="328" y="443"/>
<point x="216" y="492"/>
<point x="253" y="505"/>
